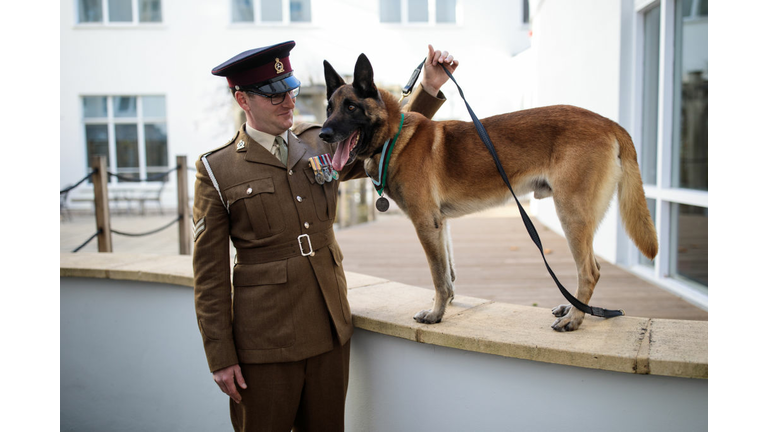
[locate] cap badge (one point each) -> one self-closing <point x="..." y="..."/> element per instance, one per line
<point x="279" y="68"/>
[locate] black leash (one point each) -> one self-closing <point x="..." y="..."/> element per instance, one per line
<point x="596" y="311"/>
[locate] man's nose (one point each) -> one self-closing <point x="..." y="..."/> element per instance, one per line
<point x="289" y="101"/>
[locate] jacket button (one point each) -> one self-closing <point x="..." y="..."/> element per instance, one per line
<point x="290" y="172"/>
<point x="249" y="191"/>
<point x="306" y="224"/>
<point x="299" y="199"/>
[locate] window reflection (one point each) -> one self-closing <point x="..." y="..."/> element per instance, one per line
<point x="301" y="11"/>
<point x="127" y="149"/>
<point x="242" y="11"/>
<point x="271" y="10"/>
<point x="96" y="142"/>
<point x="418" y="11"/>
<point x="156" y="145"/>
<point x="120" y="11"/>
<point x="389" y="11"/>
<point x="690" y="254"/>
<point x="690" y="160"/>
<point x="650" y="120"/>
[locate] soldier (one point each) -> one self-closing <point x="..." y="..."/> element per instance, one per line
<point x="278" y="341"/>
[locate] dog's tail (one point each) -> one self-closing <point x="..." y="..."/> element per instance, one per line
<point x="632" y="204"/>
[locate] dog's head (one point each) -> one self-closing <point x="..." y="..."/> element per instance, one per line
<point x="356" y="114"/>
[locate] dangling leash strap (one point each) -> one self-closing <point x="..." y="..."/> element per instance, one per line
<point x="596" y="311"/>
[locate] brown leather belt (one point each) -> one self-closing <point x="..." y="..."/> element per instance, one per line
<point x="303" y="245"/>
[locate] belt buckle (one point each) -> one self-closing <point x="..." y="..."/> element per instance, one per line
<point x="301" y="246"/>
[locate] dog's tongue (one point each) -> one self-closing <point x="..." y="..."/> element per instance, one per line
<point x="341" y="156"/>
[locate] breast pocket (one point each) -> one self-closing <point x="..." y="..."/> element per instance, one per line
<point x="262" y="306"/>
<point x="255" y="209"/>
<point x="323" y="195"/>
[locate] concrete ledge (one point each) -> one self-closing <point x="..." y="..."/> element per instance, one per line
<point x="625" y="344"/>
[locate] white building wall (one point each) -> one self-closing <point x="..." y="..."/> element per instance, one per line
<point x="175" y="59"/>
<point x="578" y="50"/>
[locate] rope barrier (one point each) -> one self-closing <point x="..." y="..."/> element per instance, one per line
<point x="128" y="179"/>
<point x="129" y="234"/>
<point x="66" y="190"/>
<point x="88" y="241"/>
<point x="153" y="178"/>
<point x="148" y="232"/>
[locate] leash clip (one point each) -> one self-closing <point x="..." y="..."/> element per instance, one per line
<point x="309" y="243"/>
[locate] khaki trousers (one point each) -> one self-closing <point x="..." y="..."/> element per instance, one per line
<point x="307" y="395"/>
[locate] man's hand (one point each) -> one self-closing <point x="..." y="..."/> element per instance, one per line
<point x="434" y="75"/>
<point x="226" y="378"/>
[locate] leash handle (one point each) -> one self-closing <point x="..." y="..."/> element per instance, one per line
<point x="595" y="311"/>
<point x="412" y="81"/>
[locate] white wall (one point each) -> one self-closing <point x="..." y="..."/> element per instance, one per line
<point x="175" y="59"/>
<point x="401" y="385"/>
<point x="578" y="48"/>
<point x="132" y="359"/>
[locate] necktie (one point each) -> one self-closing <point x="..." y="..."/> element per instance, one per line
<point x="280" y="150"/>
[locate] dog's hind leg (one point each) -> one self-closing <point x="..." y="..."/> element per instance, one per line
<point x="449" y="247"/>
<point x="580" y="242"/>
<point x="434" y="237"/>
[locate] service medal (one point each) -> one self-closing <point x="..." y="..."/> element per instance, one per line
<point x="327" y="167"/>
<point x="317" y="167"/>
<point x="382" y="204"/>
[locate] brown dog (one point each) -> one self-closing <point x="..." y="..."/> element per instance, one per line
<point x="440" y="170"/>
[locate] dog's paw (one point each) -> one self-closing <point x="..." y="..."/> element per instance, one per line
<point x="562" y="310"/>
<point x="428" y="317"/>
<point x="568" y="321"/>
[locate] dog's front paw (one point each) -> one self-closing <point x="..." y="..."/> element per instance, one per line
<point x="569" y="318"/>
<point x="428" y="317"/>
<point x="561" y="310"/>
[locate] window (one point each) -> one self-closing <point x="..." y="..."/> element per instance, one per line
<point x="672" y="134"/>
<point x="526" y="12"/>
<point x="130" y="130"/>
<point x="119" y="11"/>
<point x="417" y="11"/>
<point x="271" y="11"/>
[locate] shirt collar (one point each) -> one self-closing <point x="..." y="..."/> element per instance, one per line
<point x="264" y="139"/>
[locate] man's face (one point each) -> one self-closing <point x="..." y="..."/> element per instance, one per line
<point x="262" y="115"/>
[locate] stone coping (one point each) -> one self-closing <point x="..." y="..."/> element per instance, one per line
<point x="635" y="345"/>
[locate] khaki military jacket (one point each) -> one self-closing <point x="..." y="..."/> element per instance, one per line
<point x="285" y="299"/>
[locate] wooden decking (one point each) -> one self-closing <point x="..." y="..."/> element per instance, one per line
<point x="495" y="260"/>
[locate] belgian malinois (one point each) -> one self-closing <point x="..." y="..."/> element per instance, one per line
<point x="441" y="169"/>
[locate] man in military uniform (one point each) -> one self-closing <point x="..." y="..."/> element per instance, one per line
<point x="278" y="342"/>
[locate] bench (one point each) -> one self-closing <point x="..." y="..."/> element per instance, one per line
<point x="117" y="195"/>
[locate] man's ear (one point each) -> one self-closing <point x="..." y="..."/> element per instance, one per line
<point x="242" y="100"/>
<point x="332" y="79"/>
<point x="364" y="78"/>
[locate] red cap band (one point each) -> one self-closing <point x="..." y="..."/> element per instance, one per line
<point x="261" y="73"/>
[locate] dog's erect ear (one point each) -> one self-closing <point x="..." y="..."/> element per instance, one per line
<point x="332" y="79"/>
<point x="364" y="77"/>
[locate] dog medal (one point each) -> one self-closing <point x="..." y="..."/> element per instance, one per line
<point x="317" y="167"/>
<point x="382" y="204"/>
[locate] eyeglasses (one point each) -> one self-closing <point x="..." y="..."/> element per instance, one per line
<point x="277" y="99"/>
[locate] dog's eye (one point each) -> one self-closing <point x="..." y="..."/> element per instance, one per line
<point x="351" y="107"/>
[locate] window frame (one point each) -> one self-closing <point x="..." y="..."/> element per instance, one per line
<point x="105" y="22"/>
<point x="431" y="15"/>
<point x="286" y="12"/>
<point x="662" y="192"/>
<point x="111" y="121"/>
